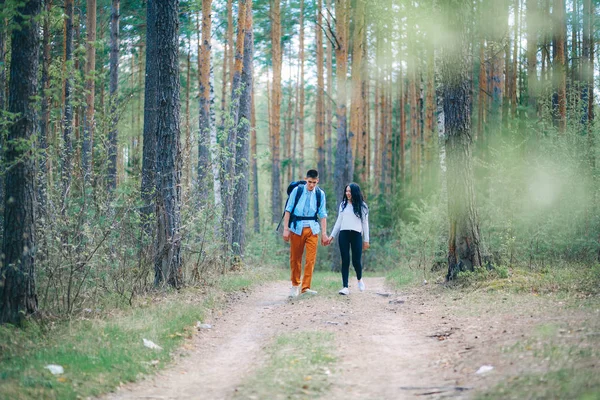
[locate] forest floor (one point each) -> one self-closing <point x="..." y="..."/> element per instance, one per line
<point x="421" y="342"/>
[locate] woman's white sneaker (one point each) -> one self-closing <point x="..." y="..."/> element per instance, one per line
<point x="344" y="291"/>
<point x="361" y="286"/>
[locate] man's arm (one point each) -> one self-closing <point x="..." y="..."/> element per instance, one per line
<point x="324" y="237"/>
<point x="286" y="227"/>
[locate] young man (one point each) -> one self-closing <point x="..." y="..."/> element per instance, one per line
<point x="302" y="231"/>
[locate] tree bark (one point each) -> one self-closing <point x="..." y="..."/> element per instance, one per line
<point x="464" y="251"/>
<point x="532" y="47"/>
<point x="17" y="283"/>
<point x="113" y="132"/>
<point x="430" y="142"/>
<point x="276" y="109"/>
<point x="229" y="181"/>
<point x="67" y="154"/>
<point x="90" y="67"/>
<point x="301" y="94"/>
<point x="240" y="210"/>
<point x="343" y="160"/>
<point x="227" y="65"/>
<point x="148" y="189"/>
<point x="43" y="172"/>
<point x="204" y="65"/>
<point x="559" y="70"/>
<point x="320" y="97"/>
<point x="254" y="161"/>
<point x="327" y="175"/>
<point x="356" y="112"/>
<point x="167" y="262"/>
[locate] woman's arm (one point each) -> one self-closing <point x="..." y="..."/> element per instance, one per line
<point x="338" y="223"/>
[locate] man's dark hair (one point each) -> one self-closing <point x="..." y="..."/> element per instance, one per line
<point x="312" y="173"/>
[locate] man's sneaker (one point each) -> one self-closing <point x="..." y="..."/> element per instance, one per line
<point x="344" y="291"/>
<point x="309" y="291"/>
<point x="294" y="292"/>
<point x="361" y="286"/>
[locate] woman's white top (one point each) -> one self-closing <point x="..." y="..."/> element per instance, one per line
<point x="348" y="221"/>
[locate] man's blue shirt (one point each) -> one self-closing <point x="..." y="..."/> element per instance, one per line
<point x="311" y="196"/>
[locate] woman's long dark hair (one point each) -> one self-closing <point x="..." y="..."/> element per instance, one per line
<point x="357" y="200"/>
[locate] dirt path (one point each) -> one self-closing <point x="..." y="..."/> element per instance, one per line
<point x="389" y="345"/>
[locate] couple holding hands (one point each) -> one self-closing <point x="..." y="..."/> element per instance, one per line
<point x="305" y="219"/>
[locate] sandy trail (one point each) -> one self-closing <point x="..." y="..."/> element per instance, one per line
<point x="410" y="345"/>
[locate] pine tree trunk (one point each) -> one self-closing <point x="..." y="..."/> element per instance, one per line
<point x="560" y="75"/>
<point x="464" y="252"/>
<point x="254" y="161"/>
<point x="483" y="90"/>
<point x="356" y="111"/>
<point x="430" y="142"/>
<point x="187" y="151"/>
<point x="229" y="182"/>
<point x="90" y="67"/>
<point x="228" y="48"/>
<point x="515" y="58"/>
<point x="532" y="47"/>
<point x="402" y="102"/>
<point x="301" y="94"/>
<point x="67" y="155"/>
<point x="150" y="120"/>
<point x="17" y="283"/>
<point x="342" y="159"/>
<point x="288" y="135"/>
<point x="3" y="37"/>
<point x="113" y="132"/>
<point x="240" y="210"/>
<point x="328" y="173"/>
<point x="167" y="262"/>
<point x="497" y="63"/>
<point x="319" y="101"/>
<point x="276" y="109"/>
<point x="204" y="118"/>
<point x="43" y="172"/>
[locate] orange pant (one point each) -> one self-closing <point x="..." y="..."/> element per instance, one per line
<point x="298" y="242"/>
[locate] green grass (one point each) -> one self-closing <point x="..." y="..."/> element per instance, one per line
<point x="98" y="353"/>
<point x="566" y="383"/>
<point x="403" y="276"/>
<point x="297" y="367"/>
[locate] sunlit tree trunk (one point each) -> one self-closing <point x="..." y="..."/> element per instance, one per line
<point x="228" y="48"/>
<point x="356" y="107"/>
<point x="276" y="109"/>
<point x="301" y="93"/>
<point x="167" y="262"/>
<point x="402" y="145"/>
<point x="328" y="175"/>
<point x="114" y="95"/>
<point x="319" y="101"/>
<point x="464" y="251"/>
<point x="240" y="201"/>
<point x="342" y="160"/>
<point x="17" y="275"/>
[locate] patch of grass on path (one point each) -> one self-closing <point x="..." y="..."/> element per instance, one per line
<point x="98" y="352"/>
<point x="297" y="367"/>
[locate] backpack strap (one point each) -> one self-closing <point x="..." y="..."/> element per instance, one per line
<point x="293" y="217"/>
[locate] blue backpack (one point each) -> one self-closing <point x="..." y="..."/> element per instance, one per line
<point x="295" y="218"/>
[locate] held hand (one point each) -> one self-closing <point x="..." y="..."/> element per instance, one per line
<point x="365" y="245"/>
<point x="325" y="240"/>
<point x="286" y="234"/>
<point x="330" y="239"/>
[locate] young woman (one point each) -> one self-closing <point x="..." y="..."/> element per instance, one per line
<point x="353" y="227"/>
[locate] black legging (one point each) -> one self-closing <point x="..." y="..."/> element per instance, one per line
<point x="350" y="239"/>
